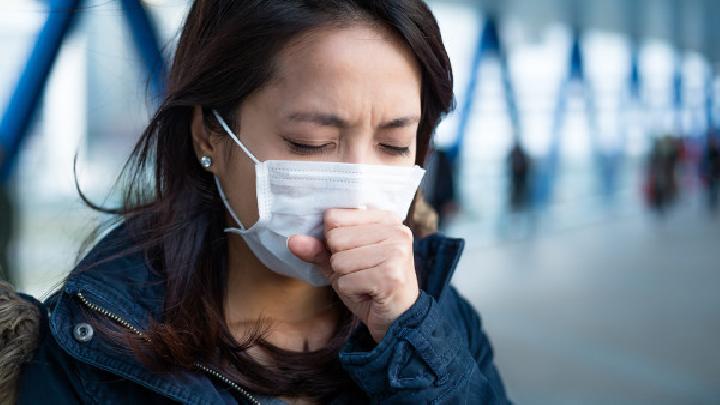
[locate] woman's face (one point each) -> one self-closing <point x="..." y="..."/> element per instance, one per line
<point x="345" y="95"/>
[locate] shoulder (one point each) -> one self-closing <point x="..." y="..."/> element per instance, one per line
<point x="20" y="319"/>
<point x="65" y="367"/>
<point x="48" y="367"/>
<point x="30" y="357"/>
<point x="64" y="378"/>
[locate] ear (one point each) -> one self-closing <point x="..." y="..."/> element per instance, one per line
<point x="203" y="144"/>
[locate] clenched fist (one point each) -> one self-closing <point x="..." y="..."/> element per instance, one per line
<point x="368" y="258"/>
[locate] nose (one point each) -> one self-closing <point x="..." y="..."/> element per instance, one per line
<point x="358" y="148"/>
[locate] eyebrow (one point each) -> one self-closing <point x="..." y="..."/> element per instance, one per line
<point x="335" y="121"/>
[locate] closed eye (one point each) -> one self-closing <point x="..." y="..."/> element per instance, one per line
<point x="396" y="150"/>
<point x="307" y="149"/>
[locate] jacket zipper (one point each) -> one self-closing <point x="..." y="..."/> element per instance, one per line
<point x="136" y="331"/>
<point x="227" y="381"/>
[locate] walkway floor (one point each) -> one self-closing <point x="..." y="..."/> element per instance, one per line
<point x="620" y="311"/>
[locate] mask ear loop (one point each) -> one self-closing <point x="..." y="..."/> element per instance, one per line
<point x="217" y="181"/>
<point x="227" y="206"/>
<point x="234" y="137"/>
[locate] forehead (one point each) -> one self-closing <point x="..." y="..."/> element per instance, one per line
<point x="358" y="58"/>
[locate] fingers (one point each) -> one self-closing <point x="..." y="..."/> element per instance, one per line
<point x="309" y="249"/>
<point x="367" y="282"/>
<point x="371" y="265"/>
<point x="339" y="217"/>
<point x="363" y="239"/>
<point x="365" y="257"/>
<point x="352" y="237"/>
<point x="380" y="282"/>
<point x="360" y="258"/>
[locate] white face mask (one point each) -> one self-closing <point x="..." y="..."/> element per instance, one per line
<point x="293" y="195"/>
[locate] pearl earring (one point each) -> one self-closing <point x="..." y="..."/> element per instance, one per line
<point x="206" y="161"/>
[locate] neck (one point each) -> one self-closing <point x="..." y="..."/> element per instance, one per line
<point x="254" y="291"/>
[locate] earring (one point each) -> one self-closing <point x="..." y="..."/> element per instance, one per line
<point x="206" y="161"/>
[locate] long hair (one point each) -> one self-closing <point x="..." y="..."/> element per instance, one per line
<point x="227" y="50"/>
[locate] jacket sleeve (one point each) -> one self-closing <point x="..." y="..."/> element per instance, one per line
<point x="426" y="358"/>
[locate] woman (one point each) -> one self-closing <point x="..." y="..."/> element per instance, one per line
<point x="305" y="120"/>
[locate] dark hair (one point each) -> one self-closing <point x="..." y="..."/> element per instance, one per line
<point x="226" y="52"/>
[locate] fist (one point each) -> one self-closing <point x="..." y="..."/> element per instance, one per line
<point x="368" y="258"/>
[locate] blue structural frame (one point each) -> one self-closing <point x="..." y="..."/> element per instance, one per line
<point x="709" y="102"/>
<point x="487" y="43"/>
<point x="25" y="98"/>
<point x="548" y="166"/>
<point x="634" y="81"/>
<point x="677" y="96"/>
<point x="634" y="94"/>
<point x="147" y="43"/>
<point x="28" y="91"/>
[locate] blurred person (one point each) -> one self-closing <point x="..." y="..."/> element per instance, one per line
<point x="711" y="171"/>
<point x="662" y="173"/>
<point x="271" y="257"/>
<point x="519" y="166"/>
<point x="519" y="221"/>
<point x="441" y="186"/>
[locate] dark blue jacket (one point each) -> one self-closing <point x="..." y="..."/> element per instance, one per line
<point x="436" y="352"/>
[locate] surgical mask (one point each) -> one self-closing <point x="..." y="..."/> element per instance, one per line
<point x="293" y="195"/>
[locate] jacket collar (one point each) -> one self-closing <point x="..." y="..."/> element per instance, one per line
<point x="127" y="285"/>
<point x="121" y="283"/>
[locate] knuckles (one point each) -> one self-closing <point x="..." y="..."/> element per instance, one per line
<point x="332" y="240"/>
<point x="398" y="250"/>
<point x="332" y="219"/>
<point x="394" y="277"/>
<point x="404" y="234"/>
<point x="335" y="217"/>
<point x="341" y="285"/>
<point x="337" y="263"/>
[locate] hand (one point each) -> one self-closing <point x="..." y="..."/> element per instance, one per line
<point x="368" y="258"/>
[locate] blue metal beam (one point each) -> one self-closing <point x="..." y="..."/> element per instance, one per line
<point x="576" y="74"/>
<point x="709" y="101"/>
<point x="545" y="176"/>
<point x="606" y="162"/>
<point x="677" y="78"/>
<point x="28" y="92"/>
<point x="577" y="60"/>
<point x="488" y="43"/>
<point x="469" y="96"/>
<point x="510" y="97"/>
<point x="25" y="99"/>
<point x="147" y="42"/>
<point x="635" y="82"/>
<point x="677" y="95"/>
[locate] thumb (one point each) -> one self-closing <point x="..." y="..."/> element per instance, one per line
<point x="309" y="249"/>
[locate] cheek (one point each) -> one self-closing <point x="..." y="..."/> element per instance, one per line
<point x="238" y="180"/>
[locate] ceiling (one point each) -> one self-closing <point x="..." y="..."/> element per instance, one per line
<point x="687" y="24"/>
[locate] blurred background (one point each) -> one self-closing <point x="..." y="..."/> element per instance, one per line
<point x="581" y="167"/>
